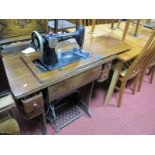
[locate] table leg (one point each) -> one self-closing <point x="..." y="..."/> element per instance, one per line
<point x="43" y="123"/>
<point x="137" y="27"/>
<point x="115" y="77"/>
<point x="126" y="29"/>
<point x="112" y="23"/>
<point x="85" y="97"/>
<point x="119" y="22"/>
<point x="93" y="26"/>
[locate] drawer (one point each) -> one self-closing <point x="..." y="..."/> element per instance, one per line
<point x="70" y="84"/>
<point x="33" y="106"/>
<point x="103" y="76"/>
<point x="107" y="66"/>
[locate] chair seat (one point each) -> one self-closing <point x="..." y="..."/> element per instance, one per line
<point x="123" y="73"/>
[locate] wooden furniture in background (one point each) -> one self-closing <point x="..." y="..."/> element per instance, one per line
<point x="150" y="24"/>
<point x="116" y="74"/>
<point x="61" y="25"/>
<point x="6" y="105"/>
<point x="13" y="30"/>
<point x="134" y="70"/>
<point x="127" y="26"/>
<point x="93" y="25"/>
<point x="4" y="84"/>
<point x="95" y="21"/>
<point x="83" y="22"/>
<point x="137" y="44"/>
<point x="8" y="124"/>
<point x="148" y="60"/>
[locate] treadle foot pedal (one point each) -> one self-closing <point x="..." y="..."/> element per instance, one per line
<point x="65" y="111"/>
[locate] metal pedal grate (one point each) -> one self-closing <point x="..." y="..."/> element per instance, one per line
<point x="66" y="111"/>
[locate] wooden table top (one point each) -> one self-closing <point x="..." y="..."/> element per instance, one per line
<point x="128" y="55"/>
<point x="20" y="77"/>
<point x="105" y="46"/>
<point x="23" y="82"/>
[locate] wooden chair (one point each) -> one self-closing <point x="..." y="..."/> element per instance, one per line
<point x="138" y="67"/>
<point x="137" y="22"/>
<point x="94" y="22"/>
<point x="149" y="64"/>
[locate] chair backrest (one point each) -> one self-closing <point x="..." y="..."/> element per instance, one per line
<point x="145" y="56"/>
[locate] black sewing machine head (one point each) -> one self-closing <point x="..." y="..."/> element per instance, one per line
<point x="48" y="43"/>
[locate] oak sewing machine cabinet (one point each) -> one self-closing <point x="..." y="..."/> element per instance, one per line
<point x="52" y="75"/>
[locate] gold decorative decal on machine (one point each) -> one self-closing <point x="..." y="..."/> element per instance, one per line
<point x="22" y="23"/>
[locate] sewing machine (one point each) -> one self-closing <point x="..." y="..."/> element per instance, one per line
<point x="45" y="61"/>
<point x="65" y="75"/>
<point x="47" y="45"/>
<point x="50" y="66"/>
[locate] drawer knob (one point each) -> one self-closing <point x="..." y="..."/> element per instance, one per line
<point x="35" y="104"/>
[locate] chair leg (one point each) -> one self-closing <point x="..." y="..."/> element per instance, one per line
<point x="141" y="24"/>
<point x="149" y="72"/>
<point x="126" y="29"/>
<point x="135" y="84"/>
<point x="115" y="77"/>
<point x="141" y="80"/>
<point x="121" y="93"/>
<point x="85" y="22"/>
<point x="137" y="27"/>
<point x="119" y="22"/>
<point x="152" y="74"/>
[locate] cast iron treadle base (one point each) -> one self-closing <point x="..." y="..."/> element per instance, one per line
<point x="65" y="113"/>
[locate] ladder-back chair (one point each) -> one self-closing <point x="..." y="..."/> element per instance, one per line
<point x="138" y="66"/>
